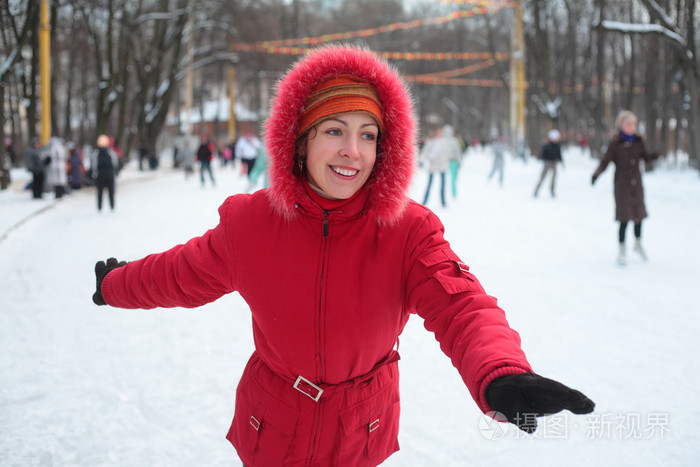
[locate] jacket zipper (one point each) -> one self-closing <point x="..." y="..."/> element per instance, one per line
<point x="325" y="224"/>
<point x="320" y="310"/>
<point x="320" y="291"/>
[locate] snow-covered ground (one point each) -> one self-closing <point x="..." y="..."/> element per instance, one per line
<point x="88" y="386"/>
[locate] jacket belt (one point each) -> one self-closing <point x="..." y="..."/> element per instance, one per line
<point x="315" y="391"/>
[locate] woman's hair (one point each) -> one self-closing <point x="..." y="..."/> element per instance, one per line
<point x="623" y="116"/>
<point x="300" y="151"/>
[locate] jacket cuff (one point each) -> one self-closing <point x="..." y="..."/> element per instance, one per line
<point x="104" y="290"/>
<point x="497" y="373"/>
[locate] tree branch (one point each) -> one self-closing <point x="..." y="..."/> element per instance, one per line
<point x="629" y="28"/>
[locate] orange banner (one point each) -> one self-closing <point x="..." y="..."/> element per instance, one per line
<point x="477" y="2"/>
<point x="409" y="56"/>
<point x="456" y="81"/>
<point x="465" y="70"/>
<point x="262" y="46"/>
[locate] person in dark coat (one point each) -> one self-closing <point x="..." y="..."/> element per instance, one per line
<point x="75" y="177"/>
<point x="551" y="156"/>
<point x="205" y="154"/>
<point x="104" y="165"/>
<point x="626" y="150"/>
<point x="37" y="166"/>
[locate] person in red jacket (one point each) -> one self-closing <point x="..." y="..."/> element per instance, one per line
<point x="332" y="260"/>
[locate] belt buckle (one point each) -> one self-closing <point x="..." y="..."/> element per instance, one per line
<point x="306" y="382"/>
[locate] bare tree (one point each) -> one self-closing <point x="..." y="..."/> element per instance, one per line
<point x="16" y="27"/>
<point x="580" y="66"/>
<point x="683" y="38"/>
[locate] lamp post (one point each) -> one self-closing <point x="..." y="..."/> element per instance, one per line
<point x="45" y="71"/>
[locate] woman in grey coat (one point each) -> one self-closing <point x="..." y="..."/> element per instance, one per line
<point x="626" y="150"/>
<point x="56" y="173"/>
<point x="438" y="152"/>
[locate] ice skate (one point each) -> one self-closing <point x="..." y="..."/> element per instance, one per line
<point x="622" y="256"/>
<point x="639" y="250"/>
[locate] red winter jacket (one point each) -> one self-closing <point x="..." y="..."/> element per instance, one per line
<point x="329" y="293"/>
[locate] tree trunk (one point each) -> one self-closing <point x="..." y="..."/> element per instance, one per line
<point x="31" y="93"/>
<point x="651" y="82"/>
<point x="693" y="119"/>
<point x="4" y="165"/>
<point x="693" y="76"/>
<point x="601" y="126"/>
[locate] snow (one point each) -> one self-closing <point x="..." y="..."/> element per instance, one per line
<point x="89" y="386"/>
<point x="649" y="28"/>
<point x="660" y="12"/>
<point x="159" y="16"/>
<point x="6" y="64"/>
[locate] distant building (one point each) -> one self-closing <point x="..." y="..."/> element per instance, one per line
<point x="211" y="119"/>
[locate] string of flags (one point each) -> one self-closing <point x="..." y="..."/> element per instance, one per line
<point x="486" y="6"/>
<point x="467" y="69"/>
<point x="303" y="45"/>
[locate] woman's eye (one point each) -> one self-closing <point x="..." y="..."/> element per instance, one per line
<point x="333" y="131"/>
<point x="369" y="136"/>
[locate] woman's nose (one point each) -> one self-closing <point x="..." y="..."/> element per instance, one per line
<point x="351" y="148"/>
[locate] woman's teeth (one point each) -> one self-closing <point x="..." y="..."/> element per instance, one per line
<point x="344" y="172"/>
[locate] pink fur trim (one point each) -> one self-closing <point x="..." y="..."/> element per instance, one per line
<point x="396" y="161"/>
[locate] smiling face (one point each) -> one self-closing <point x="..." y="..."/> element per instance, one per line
<point x="629" y="126"/>
<point x="340" y="154"/>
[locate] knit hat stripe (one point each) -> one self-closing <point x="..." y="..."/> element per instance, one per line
<point x="338" y="95"/>
<point x="337" y="105"/>
<point x="349" y="89"/>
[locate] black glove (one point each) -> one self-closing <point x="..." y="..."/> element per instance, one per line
<point x="521" y="398"/>
<point x="101" y="270"/>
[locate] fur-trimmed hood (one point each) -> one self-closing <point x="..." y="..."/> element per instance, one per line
<point x="390" y="180"/>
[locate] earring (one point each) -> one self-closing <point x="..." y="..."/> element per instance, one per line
<point x="301" y="164"/>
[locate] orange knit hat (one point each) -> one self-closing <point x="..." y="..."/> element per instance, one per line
<point x="339" y="94"/>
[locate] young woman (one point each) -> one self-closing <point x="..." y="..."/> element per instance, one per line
<point x="332" y="259"/>
<point x="551" y="156"/>
<point x="626" y="150"/>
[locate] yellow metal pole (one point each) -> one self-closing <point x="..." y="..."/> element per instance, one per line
<point x="45" y="71"/>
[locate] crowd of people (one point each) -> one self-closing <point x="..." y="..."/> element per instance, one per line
<point x="245" y="154"/>
<point x="626" y="149"/>
<point x="60" y="167"/>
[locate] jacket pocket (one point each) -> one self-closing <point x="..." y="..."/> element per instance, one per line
<point x="263" y="426"/>
<point x="451" y="272"/>
<point x="370" y="428"/>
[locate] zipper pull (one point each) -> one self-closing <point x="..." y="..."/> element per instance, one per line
<point x="325" y="224"/>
